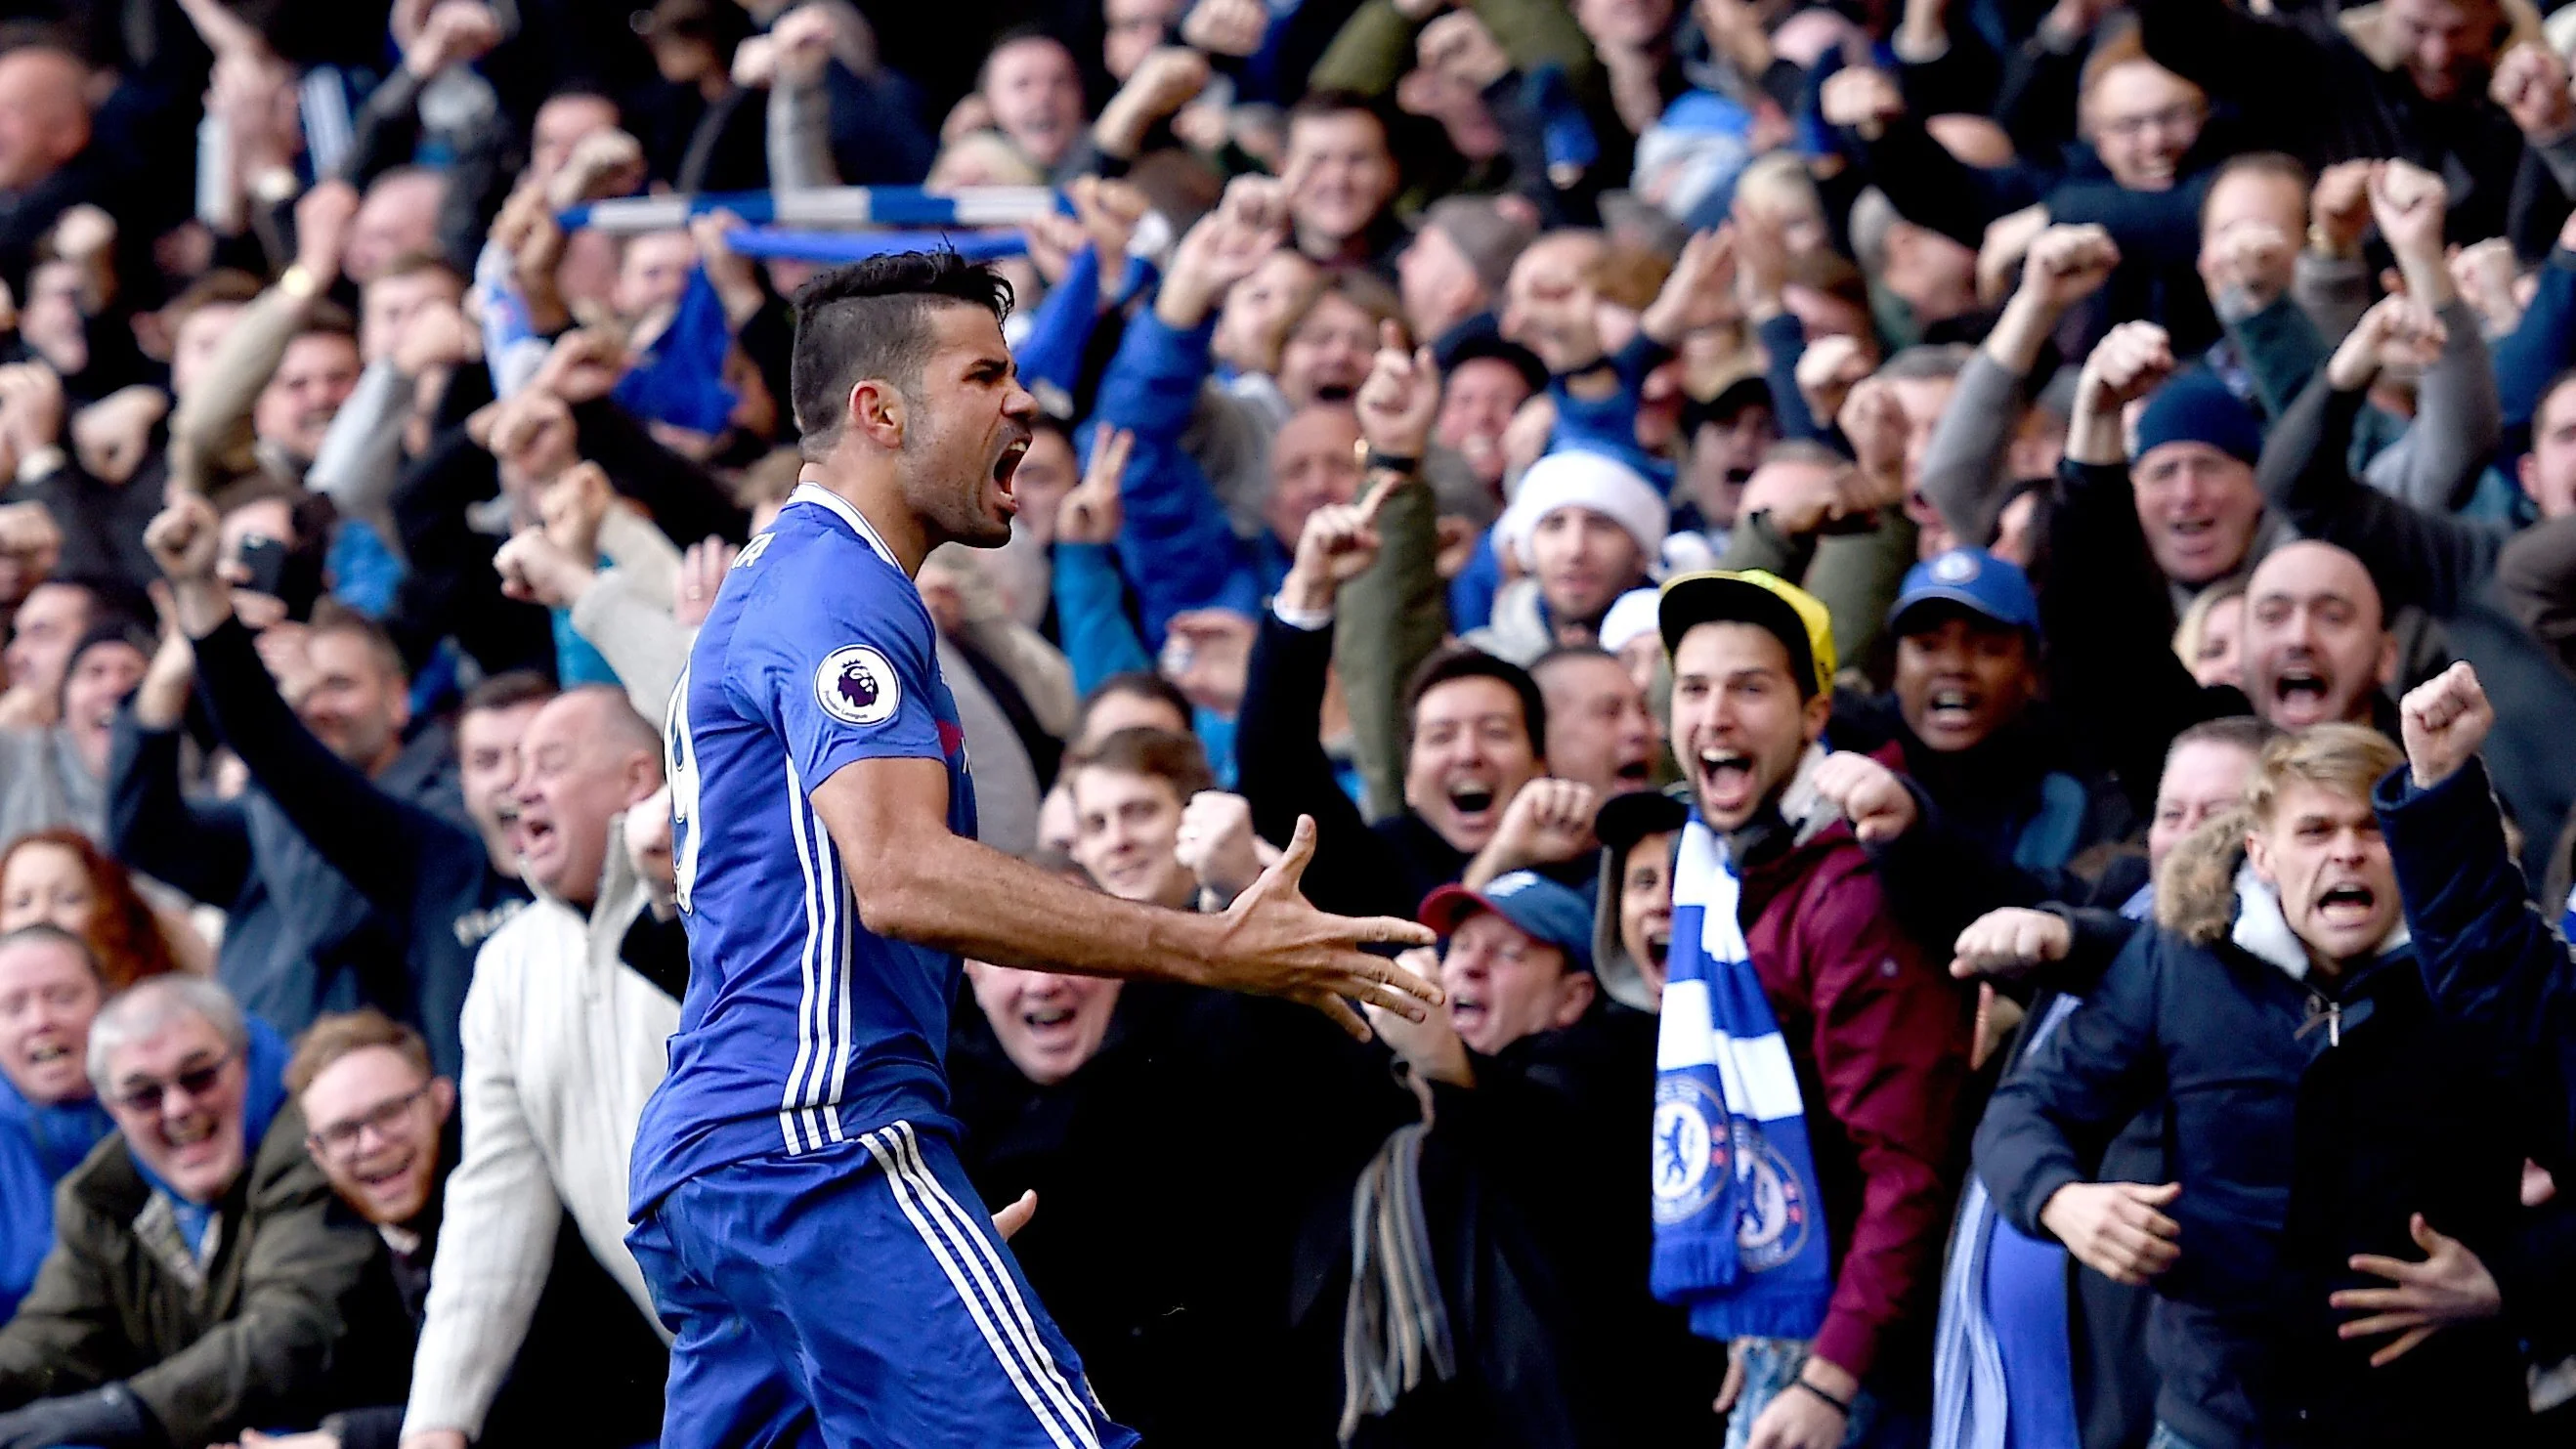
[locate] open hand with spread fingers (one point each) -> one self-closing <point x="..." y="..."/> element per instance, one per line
<point x="1276" y="944"/>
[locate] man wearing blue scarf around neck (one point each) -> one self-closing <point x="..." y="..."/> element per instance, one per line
<point x="1810" y="1061"/>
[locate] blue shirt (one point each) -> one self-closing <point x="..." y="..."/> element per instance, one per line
<point x="801" y="1028"/>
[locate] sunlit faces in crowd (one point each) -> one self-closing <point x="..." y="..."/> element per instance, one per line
<point x="1035" y="92"/>
<point x="2265" y="194"/>
<point x="652" y="271"/>
<point x="1048" y="471"/>
<point x="1049" y="1024"/>
<point x="1551" y="305"/>
<point x="2316" y="839"/>
<point x="408" y="285"/>
<point x="48" y="623"/>
<point x="2548" y="471"/>
<point x="169" y="1058"/>
<point x="1473" y="745"/>
<point x="1646" y="907"/>
<point x="1253" y="327"/>
<point x="2317" y="646"/>
<point x="1584" y="560"/>
<point x="1327" y="350"/>
<point x="1961" y="676"/>
<point x="398" y="216"/>
<point x="44" y="122"/>
<point x="1128" y="794"/>
<point x="1923" y="378"/>
<point x="1312" y="463"/>
<point x="1338" y="150"/>
<point x="489" y="730"/>
<point x="1741" y="718"/>
<point x="2205" y="776"/>
<point x="374" y="1110"/>
<point x="1438" y="282"/>
<point x="560" y="125"/>
<point x="317" y="374"/>
<point x="2198" y="507"/>
<point x="49" y="993"/>
<point x="356" y="699"/>
<point x="1130" y="29"/>
<point x="2447" y="45"/>
<point x="2142" y="119"/>
<point x="1477" y="401"/>
<point x="102" y="672"/>
<point x="1600" y="731"/>
<point x="2210" y="639"/>
<point x="585" y="759"/>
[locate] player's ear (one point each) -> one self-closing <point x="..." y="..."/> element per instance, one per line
<point x="876" y="411"/>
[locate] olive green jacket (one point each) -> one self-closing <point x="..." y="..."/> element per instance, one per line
<point x="279" y="1324"/>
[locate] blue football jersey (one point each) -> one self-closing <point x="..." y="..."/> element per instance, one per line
<point x="801" y="1027"/>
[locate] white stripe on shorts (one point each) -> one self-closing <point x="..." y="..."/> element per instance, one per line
<point x="886" y="1147"/>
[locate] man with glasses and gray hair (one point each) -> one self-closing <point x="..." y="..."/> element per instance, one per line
<point x="383" y="1127"/>
<point x="204" y="1279"/>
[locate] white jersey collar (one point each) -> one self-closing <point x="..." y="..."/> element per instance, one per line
<point x="818" y="494"/>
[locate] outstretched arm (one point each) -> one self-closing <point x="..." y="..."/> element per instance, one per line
<point x="918" y="881"/>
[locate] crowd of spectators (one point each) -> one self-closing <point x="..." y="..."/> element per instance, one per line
<point x="1961" y="613"/>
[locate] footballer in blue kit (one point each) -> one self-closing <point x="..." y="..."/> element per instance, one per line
<point x="828" y="1274"/>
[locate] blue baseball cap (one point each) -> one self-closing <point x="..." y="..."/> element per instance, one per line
<point x="1974" y="580"/>
<point x="1547" y="911"/>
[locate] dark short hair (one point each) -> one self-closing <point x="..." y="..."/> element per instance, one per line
<point x="1177" y="760"/>
<point x="867" y="320"/>
<point x="1144" y="684"/>
<point x="1320" y="104"/>
<point x="222" y="287"/>
<point x="2557" y="383"/>
<point x="330" y="616"/>
<point x="1460" y="661"/>
<point x="507" y="690"/>
<point x="327" y="318"/>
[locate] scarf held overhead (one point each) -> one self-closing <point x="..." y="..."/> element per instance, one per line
<point x="1739" y="1234"/>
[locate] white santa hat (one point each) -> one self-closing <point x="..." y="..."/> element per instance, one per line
<point x="1631" y="617"/>
<point x="1576" y="478"/>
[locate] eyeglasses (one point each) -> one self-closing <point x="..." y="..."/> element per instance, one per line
<point x="195" y="1081"/>
<point x="340" y="1139"/>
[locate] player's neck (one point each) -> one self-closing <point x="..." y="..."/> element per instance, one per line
<point x="878" y="497"/>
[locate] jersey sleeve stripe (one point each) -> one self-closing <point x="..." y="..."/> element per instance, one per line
<point x="1016" y="1319"/>
<point x="885" y="1146"/>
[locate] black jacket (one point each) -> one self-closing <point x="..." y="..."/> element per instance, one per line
<point x="1534" y="1185"/>
<point x="1173" y="1172"/>
<point x="590" y="1372"/>
<point x="2492" y="959"/>
<point x="1360" y="869"/>
<point x="2307" y="1120"/>
<point x="428" y="877"/>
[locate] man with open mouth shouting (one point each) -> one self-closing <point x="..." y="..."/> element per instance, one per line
<point x="1801" y="1206"/>
<point x="2328" y="1130"/>
<point x="797" y="1199"/>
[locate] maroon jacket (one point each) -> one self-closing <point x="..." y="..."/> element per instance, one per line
<point x="1880" y="1037"/>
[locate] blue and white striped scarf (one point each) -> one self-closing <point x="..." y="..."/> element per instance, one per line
<point x="1740" y="1236"/>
